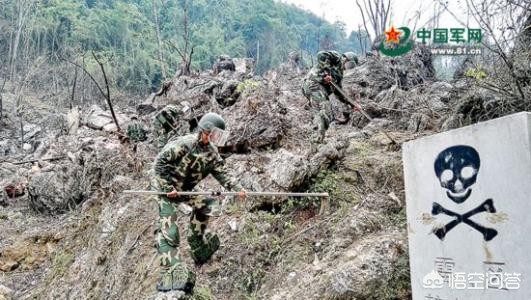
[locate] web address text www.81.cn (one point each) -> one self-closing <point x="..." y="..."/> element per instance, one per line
<point x="456" y="51"/>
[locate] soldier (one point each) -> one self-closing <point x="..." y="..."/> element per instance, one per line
<point x="165" y="124"/>
<point x="351" y="60"/>
<point x="318" y="86"/>
<point x="295" y="61"/>
<point x="179" y="167"/>
<point x="224" y="63"/>
<point x="136" y="131"/>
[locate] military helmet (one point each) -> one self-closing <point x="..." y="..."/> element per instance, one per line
<point x="350" y="56"/>
<point x="172" y="110"/>
<point x="168" y="115"/>
<point x="329" y="58"/>
<point x="211" y="120"/>
<point x="224" y="57"/>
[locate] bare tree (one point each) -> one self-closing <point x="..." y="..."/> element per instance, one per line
<point x="19" y="94"/>
<point x="376" y="13"/>
<point x="155" y="12"/>
<point x="187" y="50"/>
<point x="504" y="27"/>
<point x="106" y="94"/>
<point x="1" y="99"/>
<point x="23" y="8"/>
<point x="362" y="39"/>
<point x="74" y="84"/>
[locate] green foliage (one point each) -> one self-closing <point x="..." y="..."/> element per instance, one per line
<point x="61" y="262"/>
<point x="335" y="184"/>
<point x="251" y="234"/>
<point x="124" y="32"/>
<point x="476" y="73"/>
<point x="253" y="280"/>
<point x="202" y="293"/>
<point x="247" y="86"/>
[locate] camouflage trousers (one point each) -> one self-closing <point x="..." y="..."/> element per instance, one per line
<point x="203" y="245"/>
<point x="321" y="109"/>
<point x="174" y="274"/>
<point x="136" y="132"/>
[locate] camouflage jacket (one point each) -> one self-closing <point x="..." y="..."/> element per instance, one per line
<point x="136" y="131"/>
<point x="329" y="62"/>
<point x="165" y="124"/>
<point x="184" y="162"/>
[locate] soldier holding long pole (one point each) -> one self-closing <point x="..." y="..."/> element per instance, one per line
<point x="180" y="165"/>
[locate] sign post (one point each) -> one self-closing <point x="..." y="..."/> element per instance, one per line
<point x="468" y="195"/>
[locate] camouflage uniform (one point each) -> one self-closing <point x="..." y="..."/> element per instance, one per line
<point x="180" y="166"/>
<point x="351" y="60"/>
<point x="165" y="124"/>
<point x="317" y="91"/>
<point x="136" y="131"/>
<point x="224" y="62"/>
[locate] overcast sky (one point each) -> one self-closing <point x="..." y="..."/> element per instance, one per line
<point x="402" y="11"/>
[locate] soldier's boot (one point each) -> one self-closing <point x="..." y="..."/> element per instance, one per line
<point x="316" y="141"/>
<point x="321" y="122"/>
<point x="317" y="138"/>
<point x="178" y="277"/>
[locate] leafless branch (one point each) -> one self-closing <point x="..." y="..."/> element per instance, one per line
<point x="1" y="98"/>
<point x="87" y="73"/>
<point x="377" y="13"/>
<point x="501" y="52"/>
<point x="108" y="96"/>
<point x="364" y="21"/>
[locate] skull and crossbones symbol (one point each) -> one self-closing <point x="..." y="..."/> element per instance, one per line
<point x="457" y="168"/>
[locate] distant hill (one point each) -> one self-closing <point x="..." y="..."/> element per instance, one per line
<point x="136" y="35"/>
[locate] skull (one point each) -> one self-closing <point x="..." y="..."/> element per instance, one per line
<point x="457" y="168"/>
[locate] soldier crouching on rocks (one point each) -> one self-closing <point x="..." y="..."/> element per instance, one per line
<point x="224" y="62"/>
<point x="318" y="86"/>
<point x="180" y="165"/>
<point x="136" y="131"/>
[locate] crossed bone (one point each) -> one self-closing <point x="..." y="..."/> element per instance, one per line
<point x="487" y="206"/>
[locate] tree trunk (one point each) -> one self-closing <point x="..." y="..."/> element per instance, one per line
<point x="1" y="99"/>
<point x="159" y="40"/>
<point x="73" y="89"/>
<point x="14" y="52"/>
<point x="23" y="10"/>
<point x="257" y="53"/>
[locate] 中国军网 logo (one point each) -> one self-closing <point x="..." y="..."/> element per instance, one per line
<point x="443" y="41"/>
<point x="397" y="42"/>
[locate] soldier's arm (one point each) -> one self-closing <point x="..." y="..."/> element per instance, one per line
<point x="159" y="134"/>
<point x="166" y="161"/>
<point x="222" y="176"/>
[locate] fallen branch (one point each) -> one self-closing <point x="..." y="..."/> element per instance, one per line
<point x="37" y="160"/>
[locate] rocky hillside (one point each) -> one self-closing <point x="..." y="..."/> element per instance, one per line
<point x="68" y="231"/>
